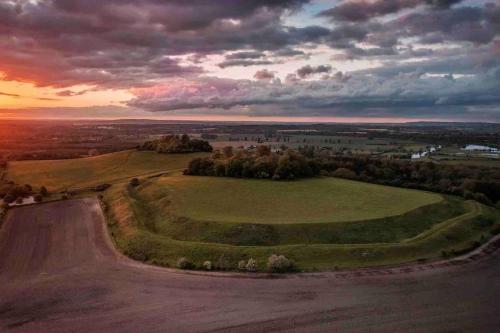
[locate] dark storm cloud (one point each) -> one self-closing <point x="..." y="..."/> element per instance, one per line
<point x="243" y="63"/>
<point x="245" y="55"/>
<point x="363" y="10"/>
<point x="124" y="43"/>
<point x="308" y="70"/>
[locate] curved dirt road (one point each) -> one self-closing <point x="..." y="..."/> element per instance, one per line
<point x="58" y="273"/>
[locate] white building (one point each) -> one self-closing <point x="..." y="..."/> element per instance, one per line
<point x="481" y="148"/>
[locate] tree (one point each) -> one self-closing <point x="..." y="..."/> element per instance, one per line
<point x="227" y="151"/>
<point x="43" y="191"/>
<point x="263" y="151"/>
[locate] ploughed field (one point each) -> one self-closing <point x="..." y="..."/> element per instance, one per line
<point x="60" y="273"/>
<point x="321" y="223"/>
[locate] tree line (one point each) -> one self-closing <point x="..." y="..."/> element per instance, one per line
<point x="260" y="163"/>
<point x="472" y="182"/>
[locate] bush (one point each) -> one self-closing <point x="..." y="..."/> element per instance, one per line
<point x="251" y="265"/>
<point x="38" y="198"/>
<point x="134" y="182"/>
<point x="242" y="264"/>
<point x="207" y="265"/>
<point x="344" y="173"/>
<point x="480" y="197"/>
<point x="184" y="263"/>
<point x="101" y="187"/>
<point x="280" y="264"/>
<point x="9" y="198"/>
<point x="43" y="191"/>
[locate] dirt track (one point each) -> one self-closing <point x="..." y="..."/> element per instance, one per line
<point x="58" y="273"/>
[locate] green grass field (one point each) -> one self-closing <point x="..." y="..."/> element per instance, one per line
<point x="320" y="223"/>
<point x="83" y="172"/>
<point x="136" y="228"/>
<point x="316" y="200"/>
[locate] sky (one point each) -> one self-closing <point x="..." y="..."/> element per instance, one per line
<point x="292" y="60"/>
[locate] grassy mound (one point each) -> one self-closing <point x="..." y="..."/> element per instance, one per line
<point x="144" y="229"/>
<point x="316" y="200"/>
<point x="83" y="172"/>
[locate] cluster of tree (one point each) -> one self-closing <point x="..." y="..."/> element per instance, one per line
<point x="472" y="182"/>
<point x="261" y="163"/>
<point x="177" y="144"/>
<point x="11" y="192"/>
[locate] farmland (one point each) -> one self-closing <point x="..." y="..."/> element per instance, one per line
<point x="58" y="175"/>
<point x="321" y="223"/>
<point x="84" y="286"/>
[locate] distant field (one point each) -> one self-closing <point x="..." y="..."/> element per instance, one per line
<point x="315" y="200"/>
<point x="108" y="168"/>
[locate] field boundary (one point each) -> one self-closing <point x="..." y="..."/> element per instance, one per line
<point x="481" y="252"/>
<point x="426" y="247"/>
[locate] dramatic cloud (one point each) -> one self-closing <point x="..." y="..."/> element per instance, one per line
<point x="264" y="75"/>
<point x="326" y="97"/>
<point x="130" y="43"/>
<point x="388" y="55"/>
<point x="308" y="70"/>
<point x="363" y="10"/>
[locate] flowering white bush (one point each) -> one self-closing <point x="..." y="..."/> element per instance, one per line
<point x="251" y="265"/>
<point x="184" y="263"/>
<point x="242" y="265"/>
<point x="280" y="264"/>
<point x="207" y="265"/>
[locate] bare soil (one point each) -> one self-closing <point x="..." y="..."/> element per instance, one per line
<point x="60" y="273"/>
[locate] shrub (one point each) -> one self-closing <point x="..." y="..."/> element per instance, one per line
<point x="184" y="263"/>
<point x="344" y="173"/>
<point x="251" y="265"/>
<point x="134" y="182"/>
<point x="207" y="265"/>
<point x="280" y="264"/>
<point x="223" y="263"/>
<point x="43" y="191"/>
<point x="480" y="197"/>
<point x="242" y="265"/>
<point x="101" y="187"/>
<point x="38" y="198"/>
<point x="9" y="198"/>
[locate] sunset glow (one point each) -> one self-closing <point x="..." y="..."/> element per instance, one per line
<point x="302" y="59"/>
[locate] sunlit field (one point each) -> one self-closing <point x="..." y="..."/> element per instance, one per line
<point x="317" y="200"/>
<point x="82" y="172"/>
